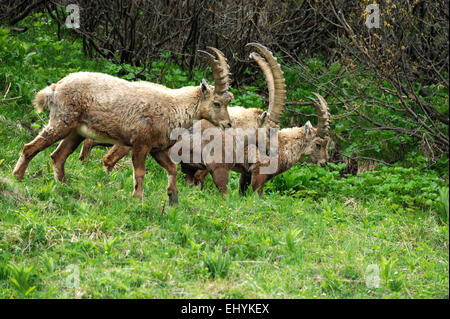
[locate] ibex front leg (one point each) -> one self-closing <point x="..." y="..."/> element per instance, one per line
<point x="163" y="159"/>
<point x="258" y="181"/>
<point x="114" y="155"/>
<point x="220" y="178"/>
<point x="244" y="182"/>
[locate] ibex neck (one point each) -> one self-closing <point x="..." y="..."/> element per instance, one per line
<point x="186" y="107"/>
<point x="292" y="146"/>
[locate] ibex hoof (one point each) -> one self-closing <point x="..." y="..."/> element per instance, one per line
<point x="18" y="175"/>
<point x="138" y="195"/>
<point x="173" y="198"/>
<point x="107" y="169"/>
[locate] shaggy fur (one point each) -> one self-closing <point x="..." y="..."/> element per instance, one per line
<point x="139" y="115"/>
<point x="241" y="118"/>
<point x="294" y="144"/>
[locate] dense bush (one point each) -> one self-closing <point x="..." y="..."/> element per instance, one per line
<point x="387" y="86"/>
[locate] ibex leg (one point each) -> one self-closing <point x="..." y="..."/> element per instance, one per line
<point x="115" y="154"/>
<point x="64" y="149"/>
<point x="163" y="159"/>
<point x="48" y="136"/>
<point x="220" y="178"/>
<point x="138" y="157"/>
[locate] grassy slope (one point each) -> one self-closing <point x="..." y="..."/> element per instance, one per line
<point x="306" y="244"/>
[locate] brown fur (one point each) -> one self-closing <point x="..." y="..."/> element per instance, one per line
<point x="241" y="117"/>
<point x="194" y="173"/>
<point x="293" y="146"/>
<point x="140" y="115"/>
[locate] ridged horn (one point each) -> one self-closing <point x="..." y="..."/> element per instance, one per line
<point x="279" y="99"/>
<point x="220" y="70"/>
<point x="268" y="75"/>
<point x="224" y="64"/>
<point x="323" y="113"/>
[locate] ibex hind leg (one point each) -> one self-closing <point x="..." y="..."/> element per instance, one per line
<point x="48" y="136"/>
<point x="220" y="178"/>
<point x="64" y="149"/>
<point x="163" y="159"/>
<point x="116" y="153"/>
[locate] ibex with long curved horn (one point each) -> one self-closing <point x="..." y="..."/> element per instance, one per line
<point x="139" y="115"/>
<point x="241" y="117"/>
<point x="294" y="144"/>
<point x="251" y="118"/>
<point x="221" y="73"/>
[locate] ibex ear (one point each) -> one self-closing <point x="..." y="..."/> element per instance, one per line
<point x="262" y="118"/>
<point x="204" y="87"/>
<point x="308" y="130"/>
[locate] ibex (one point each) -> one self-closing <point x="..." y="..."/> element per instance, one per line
<point x="140" y="115"/>
<point x="241" y="118"/>
<point x="294" y="145"/>
<point x="252" y="118"/>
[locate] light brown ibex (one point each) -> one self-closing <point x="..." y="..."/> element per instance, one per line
<point x="251" y="118"/>
<point x="139" y="115"/>
<point x="294" y="145"/>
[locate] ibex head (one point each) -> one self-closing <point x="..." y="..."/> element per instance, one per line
<point x="318" y="139"/>
<point x="215" y="99"/>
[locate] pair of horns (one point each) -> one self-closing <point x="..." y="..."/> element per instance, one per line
<point x="323" y="113"/>
<point x="221" y="70"/>
<point x="275" y="80"/>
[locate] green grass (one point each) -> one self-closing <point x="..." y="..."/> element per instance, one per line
<point x="313" y="234"/>
<point x="278" y="246"/>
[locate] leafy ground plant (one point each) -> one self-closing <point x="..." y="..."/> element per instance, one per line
<point x="20" y="277"/>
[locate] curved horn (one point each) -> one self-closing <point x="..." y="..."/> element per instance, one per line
<point x="279" y="99"/>
<point x="323" y="113"/>
<point x="223" y="63"/>
<point x="220" y="70"/>
<point x="268" y="75"/>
